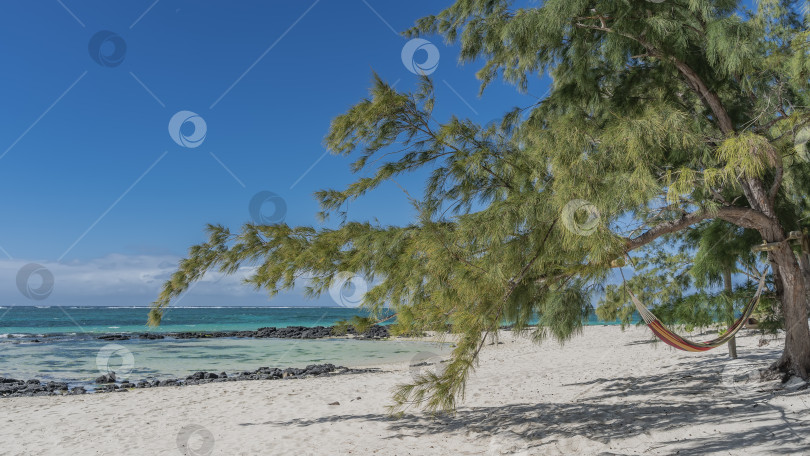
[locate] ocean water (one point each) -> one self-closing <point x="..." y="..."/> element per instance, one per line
<point x="79" y="362"/>
<point x="61" y="343"/>
<point x="67" y="321"/>
<point x="54" y="320"/>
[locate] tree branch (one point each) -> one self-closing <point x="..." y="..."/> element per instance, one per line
<point x="740" y="216"/>
<point x="694" y="80"/>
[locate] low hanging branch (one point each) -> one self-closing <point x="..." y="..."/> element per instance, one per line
<point x="485" y="246"/>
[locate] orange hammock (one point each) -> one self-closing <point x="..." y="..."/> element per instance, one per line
<point x="679" y="342"/>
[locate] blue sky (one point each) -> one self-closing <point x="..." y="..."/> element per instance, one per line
<point x="93" y="181"/>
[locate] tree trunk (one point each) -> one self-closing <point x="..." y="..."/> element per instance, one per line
<point x="732" y="344"/>
<point x="792" y="292"/>
<point x="804" y="264"/>
<point x="789" y="280"/>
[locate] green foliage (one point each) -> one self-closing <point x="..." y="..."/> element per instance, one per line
<point x="636" y="125"/>
<point x="686" y="287"/>
<point x="360" y="324"/>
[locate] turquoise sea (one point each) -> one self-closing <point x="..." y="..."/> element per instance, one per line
<point x="61" y="343"/>
<point x="55" y="320"/>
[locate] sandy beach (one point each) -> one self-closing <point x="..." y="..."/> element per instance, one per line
<point x="606" y="392"/>
<point x="219" y="217"/>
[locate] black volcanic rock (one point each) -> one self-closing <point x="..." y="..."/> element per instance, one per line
<point x="113" y="337"/>
<point x="291" y="332"/>
<point x="106" y="378"/>
<point x="10" y="387"/>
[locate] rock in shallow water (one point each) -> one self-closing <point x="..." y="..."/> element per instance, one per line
<point x="106" y="378"/>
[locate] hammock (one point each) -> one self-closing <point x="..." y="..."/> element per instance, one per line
<point x="670" y="338"/>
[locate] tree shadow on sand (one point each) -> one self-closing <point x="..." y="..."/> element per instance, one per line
<point x="619" y="408"/>
<point x="546" y="424"/>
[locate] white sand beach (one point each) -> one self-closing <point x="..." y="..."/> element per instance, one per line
<point x="606" y="392"/>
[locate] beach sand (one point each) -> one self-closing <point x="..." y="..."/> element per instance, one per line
<point x="606" y="392"/>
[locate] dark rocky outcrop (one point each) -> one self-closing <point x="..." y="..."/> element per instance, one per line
<point x="290" y="332"/>
<point x="10" y="387"/>
<point x="114" y="337"/>
<point x="106" y="378"/>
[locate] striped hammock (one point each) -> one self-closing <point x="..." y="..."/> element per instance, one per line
<point x="679" y="342"/>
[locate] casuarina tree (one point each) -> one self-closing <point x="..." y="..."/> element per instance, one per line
<point x="662" y="117"/>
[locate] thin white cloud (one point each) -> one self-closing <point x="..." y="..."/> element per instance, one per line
<point x="133" y="281"/>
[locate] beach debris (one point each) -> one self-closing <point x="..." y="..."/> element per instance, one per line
<point x="335" y="403"/>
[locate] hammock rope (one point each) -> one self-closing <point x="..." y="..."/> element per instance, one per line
<point x="674" y="340"/>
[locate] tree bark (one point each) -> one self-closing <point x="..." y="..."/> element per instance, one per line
<point x="732" y="344"/>
<point x="792" y="292"/>
<point x="804" y="264"/>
